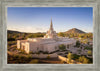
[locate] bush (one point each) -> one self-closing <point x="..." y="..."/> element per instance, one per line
<point x="48" y="57"/>
<point x="88" y="48"/>
<point x="31" y="52"/>
<point x="62" y="47"/>
<point x="29" y="57"/>
<point x="23" y="52"/>
<point x="89" y="52"/>
<point x="35" y="61"/>
<point x="84" y="60"/>
<point x="77" y="43"/>
<point x="75" y="56"/>
<point x="21" y="57"/>
<point x="70" y="56"/>
<point x="15" y="56"/>
<point x="11" y="39"/>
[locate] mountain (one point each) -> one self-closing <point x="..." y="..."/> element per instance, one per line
<point x="10" y="31"/>
<point x="75" y="30"/>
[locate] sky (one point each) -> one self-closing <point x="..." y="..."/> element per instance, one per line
<point x="38" y="19"/>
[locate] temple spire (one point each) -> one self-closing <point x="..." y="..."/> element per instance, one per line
<point x="51" y="33"/>
<point x="51" y="26"/>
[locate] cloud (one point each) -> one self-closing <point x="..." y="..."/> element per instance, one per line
<point x="39" y="29"/>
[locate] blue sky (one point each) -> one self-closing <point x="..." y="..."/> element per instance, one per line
<point x="37" y="19"/>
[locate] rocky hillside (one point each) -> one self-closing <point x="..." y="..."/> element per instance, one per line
<point x="10" y="31"/>
<point x="75" y="30"/>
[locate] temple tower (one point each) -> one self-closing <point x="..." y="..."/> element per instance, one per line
<point x="51" y="33"/>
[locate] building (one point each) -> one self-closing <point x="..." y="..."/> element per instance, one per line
<point x="48" y="43"/>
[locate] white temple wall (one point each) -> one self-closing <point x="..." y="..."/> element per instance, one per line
<point x="33" y="47"/>
<point x="50" y="47"/>
<point x="18" y="44"/>
<point x="27" y="47"/>
<point x="41" y="47"/>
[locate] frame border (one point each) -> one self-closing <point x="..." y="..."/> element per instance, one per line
<point x="48" y="3"/>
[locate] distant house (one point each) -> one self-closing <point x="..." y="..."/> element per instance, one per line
<point x="49" y="43"/>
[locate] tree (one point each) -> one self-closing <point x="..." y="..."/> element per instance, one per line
<point x="89" y="52"/>
<point x="11" y="39"/>
<point x="61" y="34"/>
<point x="35" y="61"/>
<point x="62" y="47"/>
<point x="48" y="57"/>
<point x="77" y="43"/>
<point x="70" y="56"/>
<point x="83" y="60"/>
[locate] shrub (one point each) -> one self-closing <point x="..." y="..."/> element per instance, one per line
<point x="29" y="57"/>
<point x="31" y="52"/>
<point x="70" y="56"/>
<point x="35" y="61"/>
<point x="75" y="56"/>
<point x="62" y="47"/>
<point x="48" y="57"/>
<point x="23" y="52"/>
<point x="88" y="48"/>
<point x="11" y="39"/>
<point x="89" y="52"/>
<point x="21" y="57"/>
<point x="61" y="34"/>
<point x="77" y="44"/>
<point x="15" y="56"/>
<point x="83" y="60"/>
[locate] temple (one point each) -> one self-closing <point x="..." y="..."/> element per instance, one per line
<point x="49" y="43"/>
